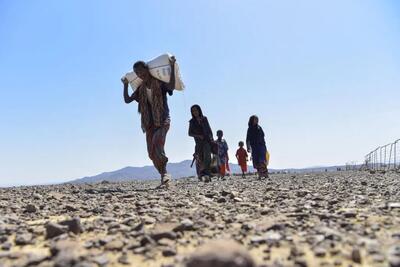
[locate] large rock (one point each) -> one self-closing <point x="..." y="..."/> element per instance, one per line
<point x="223" y="253"/>
<point x="66" y="253"/>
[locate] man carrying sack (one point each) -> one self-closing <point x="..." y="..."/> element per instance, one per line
<point x="151" y="96"/>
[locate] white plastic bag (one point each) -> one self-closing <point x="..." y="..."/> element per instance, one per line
<point x="160" y="68"/>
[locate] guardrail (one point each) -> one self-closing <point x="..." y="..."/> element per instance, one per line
<point x="384" y="158"/>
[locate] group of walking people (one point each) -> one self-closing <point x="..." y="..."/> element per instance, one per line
<point x="208" y="150"/>
<point x="211" y="155"/>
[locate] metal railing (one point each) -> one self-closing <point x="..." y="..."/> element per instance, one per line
<point x="384" y="158"/>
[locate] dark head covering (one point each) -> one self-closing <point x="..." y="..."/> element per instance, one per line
<point x="141" y="64"/>
<point x="198" y="108"/>
<point x="251" y="120"/>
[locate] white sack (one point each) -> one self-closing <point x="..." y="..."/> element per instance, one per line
<point x="160" y="68"/>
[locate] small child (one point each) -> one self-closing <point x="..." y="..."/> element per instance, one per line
<point x="222" y="153"/>
<point x="242" y="156"/>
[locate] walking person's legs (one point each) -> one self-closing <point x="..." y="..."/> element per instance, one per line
<point x="228" y="169"/>
<point x="206" y="159"/>
<point x="260" y="161"/>
<point x="243" y="166"/>
<point x="155" y="138"/>
<point x="222" y="170"/>
<point x="262" y="170"/>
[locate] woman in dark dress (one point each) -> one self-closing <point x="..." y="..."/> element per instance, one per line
<point x="200" y="130"/>
<point x="256" y="146"/>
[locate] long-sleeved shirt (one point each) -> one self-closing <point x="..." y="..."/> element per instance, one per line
<point x="201" y="128"/>
<point x="255" y="137"/>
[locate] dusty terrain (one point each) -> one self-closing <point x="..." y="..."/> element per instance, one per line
<point x="325" y="219"/>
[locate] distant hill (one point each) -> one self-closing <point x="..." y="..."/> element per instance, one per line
<point x="178" y="170"/>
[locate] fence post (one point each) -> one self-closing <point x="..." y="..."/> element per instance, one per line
<point x="395" y="151"/>
<point x="383" y="158"/>
<point x="390" y="155"/>
<point x="374" y="159"/>
<point x="394" y="155"/>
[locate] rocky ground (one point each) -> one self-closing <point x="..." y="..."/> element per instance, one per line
<point x="325" y="219"/>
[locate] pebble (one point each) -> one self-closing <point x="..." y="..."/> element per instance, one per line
<point x="160" y="235"/>
<point x="123" y="259"/>
<point x="394" y="205"/>
<point x="356" y="255"/>
<point x="30" y="208"/>
<point x="24" y="239"/>
<point x="221" y="200"/>
<point x="319" y="252"/>
<point x="74" y="225"/>
<point x="185" y="225"/>
<point x="101" y="260"/>
<point x="115" y="245"/>
<point x="54" y="229"/>
<point x="169" y="252"/>
<point x="66" y="253"/>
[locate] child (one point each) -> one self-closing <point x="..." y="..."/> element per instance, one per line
<point x="222" y="153"/>
<point x="242" y="156"/>
<point x="256" y="145"/>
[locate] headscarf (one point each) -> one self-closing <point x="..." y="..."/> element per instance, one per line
<point x="199" y="109"/>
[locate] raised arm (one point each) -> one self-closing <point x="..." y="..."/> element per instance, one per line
<point x="171" y="84"/>
<point x="128" y="98"/>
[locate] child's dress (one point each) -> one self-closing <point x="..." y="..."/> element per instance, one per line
<point x="241" y="155"/>
<point x="222" y="156"/>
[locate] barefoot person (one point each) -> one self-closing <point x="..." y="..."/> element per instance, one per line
<point x="222" y="153"/>
<point x="242" y="156"/>
<point x="200" y="130"/>
<point x="256" y="145"/>
<point x="153" y="108"/>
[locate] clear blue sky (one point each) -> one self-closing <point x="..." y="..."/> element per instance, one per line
<point x="323" y="76"/>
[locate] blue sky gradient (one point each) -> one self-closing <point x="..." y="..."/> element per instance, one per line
<point x="324" y="78"/>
